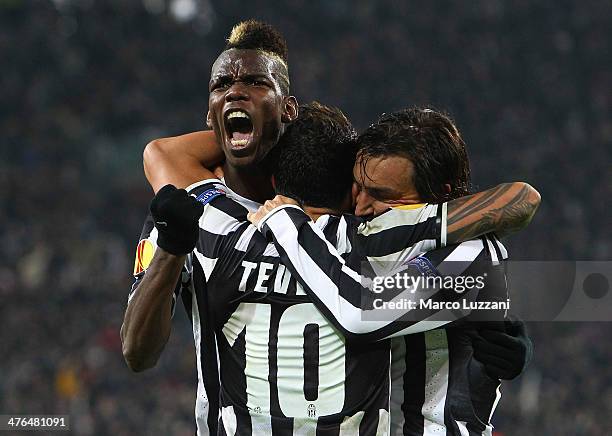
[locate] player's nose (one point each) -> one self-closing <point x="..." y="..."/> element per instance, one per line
<point x="363" y="204"/>
<point x="236" y="92"/>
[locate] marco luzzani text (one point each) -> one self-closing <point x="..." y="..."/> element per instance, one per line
<point x="409" y="285"/>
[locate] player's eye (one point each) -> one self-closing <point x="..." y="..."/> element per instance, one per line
<point x="257" y="82"/>
<point x="218" y="86"/>
<point x="379" y="196"/>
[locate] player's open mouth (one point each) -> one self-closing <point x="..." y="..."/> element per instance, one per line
<point x="239" y="128"/>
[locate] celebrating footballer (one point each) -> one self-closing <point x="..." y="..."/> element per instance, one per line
<point x="269" y="228"/>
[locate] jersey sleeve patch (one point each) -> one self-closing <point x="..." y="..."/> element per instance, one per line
<point x="144" y="255"/>
<point x="209" y="195"/>
<point x="424" y="266"/>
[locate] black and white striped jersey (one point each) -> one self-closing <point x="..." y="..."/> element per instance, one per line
<point x="193" y="290"/>
<point x="437" y="387"/>
<point x="284" y="368"/>
<point x="386" y="243"/>
<point x="198" y="311"/>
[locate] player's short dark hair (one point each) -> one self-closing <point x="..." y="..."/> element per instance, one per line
<point x="256" y="35"/>
<point x="315" y="157"/>
<point x="431" y="141"/>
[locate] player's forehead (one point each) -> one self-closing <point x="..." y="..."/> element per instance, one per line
<point x="383" y="171"/>
<point x="239" y="63"/>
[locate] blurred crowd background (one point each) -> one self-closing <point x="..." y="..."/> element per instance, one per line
<point x="85" y="84"/>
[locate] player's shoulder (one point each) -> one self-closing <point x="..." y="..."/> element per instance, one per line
<point x="219" y="201"/>
<point x="207" y="190"/>
<point x="338" y="230"/>
<point x="399" y="216"/>
<point x="351" y="221"/>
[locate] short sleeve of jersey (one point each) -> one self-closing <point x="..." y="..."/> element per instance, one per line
<point x="206" y="191"/>
<point x="222" y="224"/>
<point x="401" y="234"/>
<point x="222" y="214"/>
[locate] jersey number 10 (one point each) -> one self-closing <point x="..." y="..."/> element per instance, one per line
<point x="298" y="396"/>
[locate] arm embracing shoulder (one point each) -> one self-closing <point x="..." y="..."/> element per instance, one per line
<point x="504" y="209"/>
<point x="181" y="160"/>
<point x="345" y="297"/>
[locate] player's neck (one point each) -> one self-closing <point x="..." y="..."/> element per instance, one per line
<point x="251" y="182"/>
<point x="315" y="212"/>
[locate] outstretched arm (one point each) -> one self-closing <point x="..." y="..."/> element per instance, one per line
<point x="504" y="209"/>
<point x="181" y="160"/>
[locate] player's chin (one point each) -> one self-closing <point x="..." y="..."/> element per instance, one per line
<point x="242" y="157"/>
<point x="252" y="153"/>
<point x="246" y="149"/>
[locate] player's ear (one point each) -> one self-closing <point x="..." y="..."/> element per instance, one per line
<point x="273" y="181"/>
<point x="290" y="109"/>
<point x="208" y="120"/>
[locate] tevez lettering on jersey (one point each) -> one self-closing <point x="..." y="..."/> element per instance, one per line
<point x="260" y="274"/>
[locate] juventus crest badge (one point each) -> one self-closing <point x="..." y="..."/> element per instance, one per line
<point x="312" y="411"/>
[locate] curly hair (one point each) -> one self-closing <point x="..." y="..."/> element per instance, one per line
<point x="431" y="141"/>
<point x="315" y="157"/>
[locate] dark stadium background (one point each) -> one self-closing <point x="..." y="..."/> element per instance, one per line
<point x="86" y="84"/>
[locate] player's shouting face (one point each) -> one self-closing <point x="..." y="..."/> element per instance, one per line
<point x="247" y="106"/>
